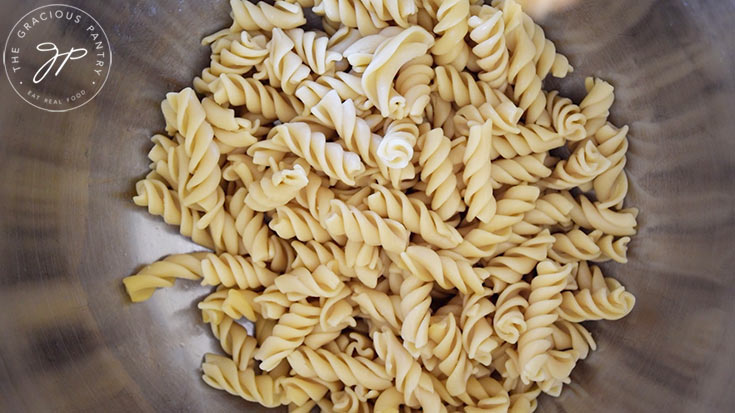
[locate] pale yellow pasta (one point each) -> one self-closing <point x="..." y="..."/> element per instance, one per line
<point x="488" y="32"/>
<point x="478" y="195"/>
<point x="378" y="78"/>
<point x="406" y="217"/>
<point x="263" y="16"/>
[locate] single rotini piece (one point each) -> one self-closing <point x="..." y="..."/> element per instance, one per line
<point x="222" y="374"/>
<point x="414" y="215"/>
<point x="437" y="172"/>
<point x="410" y="379"/>
<point x="303" y="392"/>
<point x="543" y="302"/>
<point x="478" y="337"/>
<point x="163" y="201"/>
<point x="337" y="314"/>
<point x="276" y="188"/>
<point x="598" y="297"/>
<point x="328" y="157"/>
<point x="514" y="171"/>
<point x="575" y="245"/>
<point x="584" y="165"/>
<point x="488" y="396"/>
<point x="508" y="320"/>
<point x="313" y="50"/>
<point x="519" y="260"/>
<point x="482" y="241"/>
<point x="612" y="248"/>
<point x="530" y="139"/>
<point x="351" y="14"/>
<point x="488" y="32"/>
<point x="199" y="154"/>
<point x="288" y="334"/>
<point x="292" y="221"/>
<point x="446" y="344"/>
<point x="283" y="67"/>
<point x="347" y="85"/>
<point x="163" y="273"/>
<point x="255" y="97"/>
<point x="413" y="83"/>
<point x="378" y="78"/>
<point x="451" y="26"/>
<point x="573" y="336"/>
<point x="396" y="148"/>
<point x="522" y="76"/>
<point x="238" y="54"/>
<point x="548" y="61"/>
<point x="478" y="194"/>
<point x="397" y="11"/>
<point x="566" y="117"/>
<point x="254" y="233"/>
<point x="367" y="227"/>
<point x="381" y="308"/>
<point x="230" y="132"/>
<point x="448" y="269"/>
<point x="301" y="283"/>
<point x="240" y="303"/>
<point x="266" y="17"/>
<point x="592" y="216"/>
<point x="415" y="312"/>
<point x="233" y="337"/>
<point x="335" y="367"/>
<point x="612" y="185"/>
<point x="551" y="209"/>
<point x="461" y="87"/>
<point x="504" y="116"/>
<point x="596" y="105"/>
<point x="235" y="271"/>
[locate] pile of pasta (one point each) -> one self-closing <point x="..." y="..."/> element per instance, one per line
<point x="407" y="220"/>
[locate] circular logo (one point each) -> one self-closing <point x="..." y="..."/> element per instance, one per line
<point x="57" y="57"/>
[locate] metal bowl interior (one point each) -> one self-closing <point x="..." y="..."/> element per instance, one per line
<point x="72" y="341"/>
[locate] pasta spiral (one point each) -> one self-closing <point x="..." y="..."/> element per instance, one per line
<point x="382" y="308"/>
<point x="598" y="297"/>
<point x="412" y="83"/>
<point x="283" y="66"/>
<point x="142" y="285"/>
<point x="447" y="269"/>
<point x="313" y="50"/>
<point x="288" y="334"/>
<point x="367" y="227"/>
<point x="543" y="301"/>
<point x="233" y="338"/>
<point x="255" y="235"/>
<point x="378" y="78"/>
<point x="591" y="216"/>
<point x="583" y="166"/>
<point x="238" y="55"/>
<point x="328" y="366"/>
<point x="478" y="195"/>
<point x="230" y="132"/>
<point x="276" y="188"/>
<point x="295" y="222"/>
<point x="256" y="97"/>
<point x="163" y="201"/>
<point x="415" y="312"/>
<point x="461" y="88"/>
<point x="234" y="270"/>
<point x="263" y="16"/>
<point x="566" y="117"/>
<point x="446" y="343"/>
<point x="530" y="139"/>
<point x="437" y="173"/>
<point x="324" y="156"/>
<point x="596" y="105"/>
<point x="411" y="380"/>
<point x="514" y="171"/>
<point x="612" y="185"/>
<point x="508" y="320"/>
<point x="351" y="14"/>
<point x="414" y="215"/>
<point x="301" y="283"/>
<point x="488" y="32"/>
<point x="450" y="48"/>
<point x="478" y="337"/>
<point x="518" y="261"/>
<point x="222" y="373"/>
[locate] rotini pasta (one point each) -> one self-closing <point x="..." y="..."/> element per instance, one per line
<point x="399" y="216"/>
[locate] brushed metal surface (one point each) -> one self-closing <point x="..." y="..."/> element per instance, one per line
<point x="72" y="342"/>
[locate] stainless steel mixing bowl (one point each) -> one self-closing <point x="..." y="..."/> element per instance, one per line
<point x="71" y="341"/>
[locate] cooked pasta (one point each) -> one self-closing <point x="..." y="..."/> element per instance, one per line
<point x="399" y="217"/>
